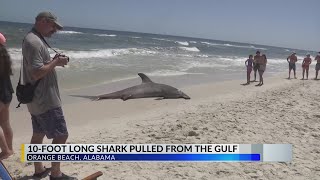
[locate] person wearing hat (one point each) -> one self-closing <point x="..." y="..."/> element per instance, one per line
<point x="45" y="109"/>
<point x="305" y="65"/>
<point x="317" y="58"/>
<point x="6" y="91"/>
<point x="292" y="59"/>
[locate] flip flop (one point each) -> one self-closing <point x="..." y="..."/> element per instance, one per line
<point x="42" y="174"/>
<point x="63" y="176"/>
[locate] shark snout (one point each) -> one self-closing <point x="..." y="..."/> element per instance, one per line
<point x="185" y="96"/>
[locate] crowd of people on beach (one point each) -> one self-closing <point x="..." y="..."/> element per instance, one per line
<point x="259" y="63"/>
<point x="38" y="69"/>
<point x="256" y="63"/>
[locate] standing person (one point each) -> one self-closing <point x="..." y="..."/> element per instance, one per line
<point x="45" y="108"/>
<point x="256" y="59"/>
<point x="249" y="63"/>
<point x="292" y="59"/>
<point x="317" y="58"/>
<point x="305" y="65"/>
<point x="262" y="68"/>
<point x="6" y="91"/>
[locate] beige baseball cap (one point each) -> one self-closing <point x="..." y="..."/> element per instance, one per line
<point x="51" y="17"/>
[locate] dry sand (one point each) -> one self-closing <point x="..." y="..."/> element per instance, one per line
<point x="281" y="111"/>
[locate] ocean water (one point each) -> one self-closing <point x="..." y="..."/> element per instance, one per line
<point x="104" y="56"/>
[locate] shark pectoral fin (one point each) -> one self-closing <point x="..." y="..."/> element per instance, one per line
<point x="126" y="97"/>
<point x="96" y="99"/>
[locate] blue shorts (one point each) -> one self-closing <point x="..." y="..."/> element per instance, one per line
<point x="50" y="123"/>
<point x="292" y="66"/>
<point x="317" y="67"/>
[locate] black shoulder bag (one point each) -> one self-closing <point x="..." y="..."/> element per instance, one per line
<point x="25" y="93"/>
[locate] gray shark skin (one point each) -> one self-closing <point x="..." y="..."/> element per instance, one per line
<point x="147" y="89"/>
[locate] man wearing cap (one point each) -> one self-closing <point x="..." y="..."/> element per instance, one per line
<point x="45" y="108"/>
<point x="292" y="59"/>
<point x="317" y="58"/>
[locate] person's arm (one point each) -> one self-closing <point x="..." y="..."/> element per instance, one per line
<point x="245" y="63"/>
<point x="288" y="59"/>
<point x="46" y="68"/>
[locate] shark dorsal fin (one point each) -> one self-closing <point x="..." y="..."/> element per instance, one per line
<point x="144" y="78"/>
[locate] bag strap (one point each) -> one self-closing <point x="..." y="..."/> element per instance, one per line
<point x="42" y="38"/>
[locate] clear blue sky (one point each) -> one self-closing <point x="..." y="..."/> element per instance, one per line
<point x="285" y="23"/>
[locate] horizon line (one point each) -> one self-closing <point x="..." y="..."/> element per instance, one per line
<point x="170" y="35"/>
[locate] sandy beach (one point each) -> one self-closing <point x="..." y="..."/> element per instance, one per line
<point x="281" y="111"/>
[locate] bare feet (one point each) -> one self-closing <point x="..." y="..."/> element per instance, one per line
<point x="5" y="155"/>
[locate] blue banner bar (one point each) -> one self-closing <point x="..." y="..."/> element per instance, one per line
<point x="143" y="157"/>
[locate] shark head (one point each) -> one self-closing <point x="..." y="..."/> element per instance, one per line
<point x="183" y="95"/>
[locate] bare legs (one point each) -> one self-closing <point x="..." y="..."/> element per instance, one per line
<point x="248" y="77"/>
<point x="55" y="166"/>
<point x="255" y="74"/>
<point x="307" y="73"/>
<point x="294" y="72"/>
<point x="6" y="134"/>
<point x="37" y="138"/>
<point x="260" y="78"/>
<point x="289" y="73"/>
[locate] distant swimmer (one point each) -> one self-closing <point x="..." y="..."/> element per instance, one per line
<point x="305" y="65"/>
<point x="249" y="65"/>
<point x="317" y="65"/>
<point x="292" y="59"/>
<point x="256" y="59"/>
<point x="262" y="67"/>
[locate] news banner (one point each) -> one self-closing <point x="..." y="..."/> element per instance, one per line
<point x="156" y="152"/>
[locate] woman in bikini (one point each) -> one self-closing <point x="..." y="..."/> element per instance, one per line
<point x="262" y="67"/>
<point x="305" y="66"/>
<point x="6" y="91"/>
<point x="249" y="64"/>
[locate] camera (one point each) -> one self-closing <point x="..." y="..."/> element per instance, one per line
<point x="61" y="55"/>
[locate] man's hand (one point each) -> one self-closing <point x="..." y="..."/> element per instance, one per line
<point x="61" y="60"/>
